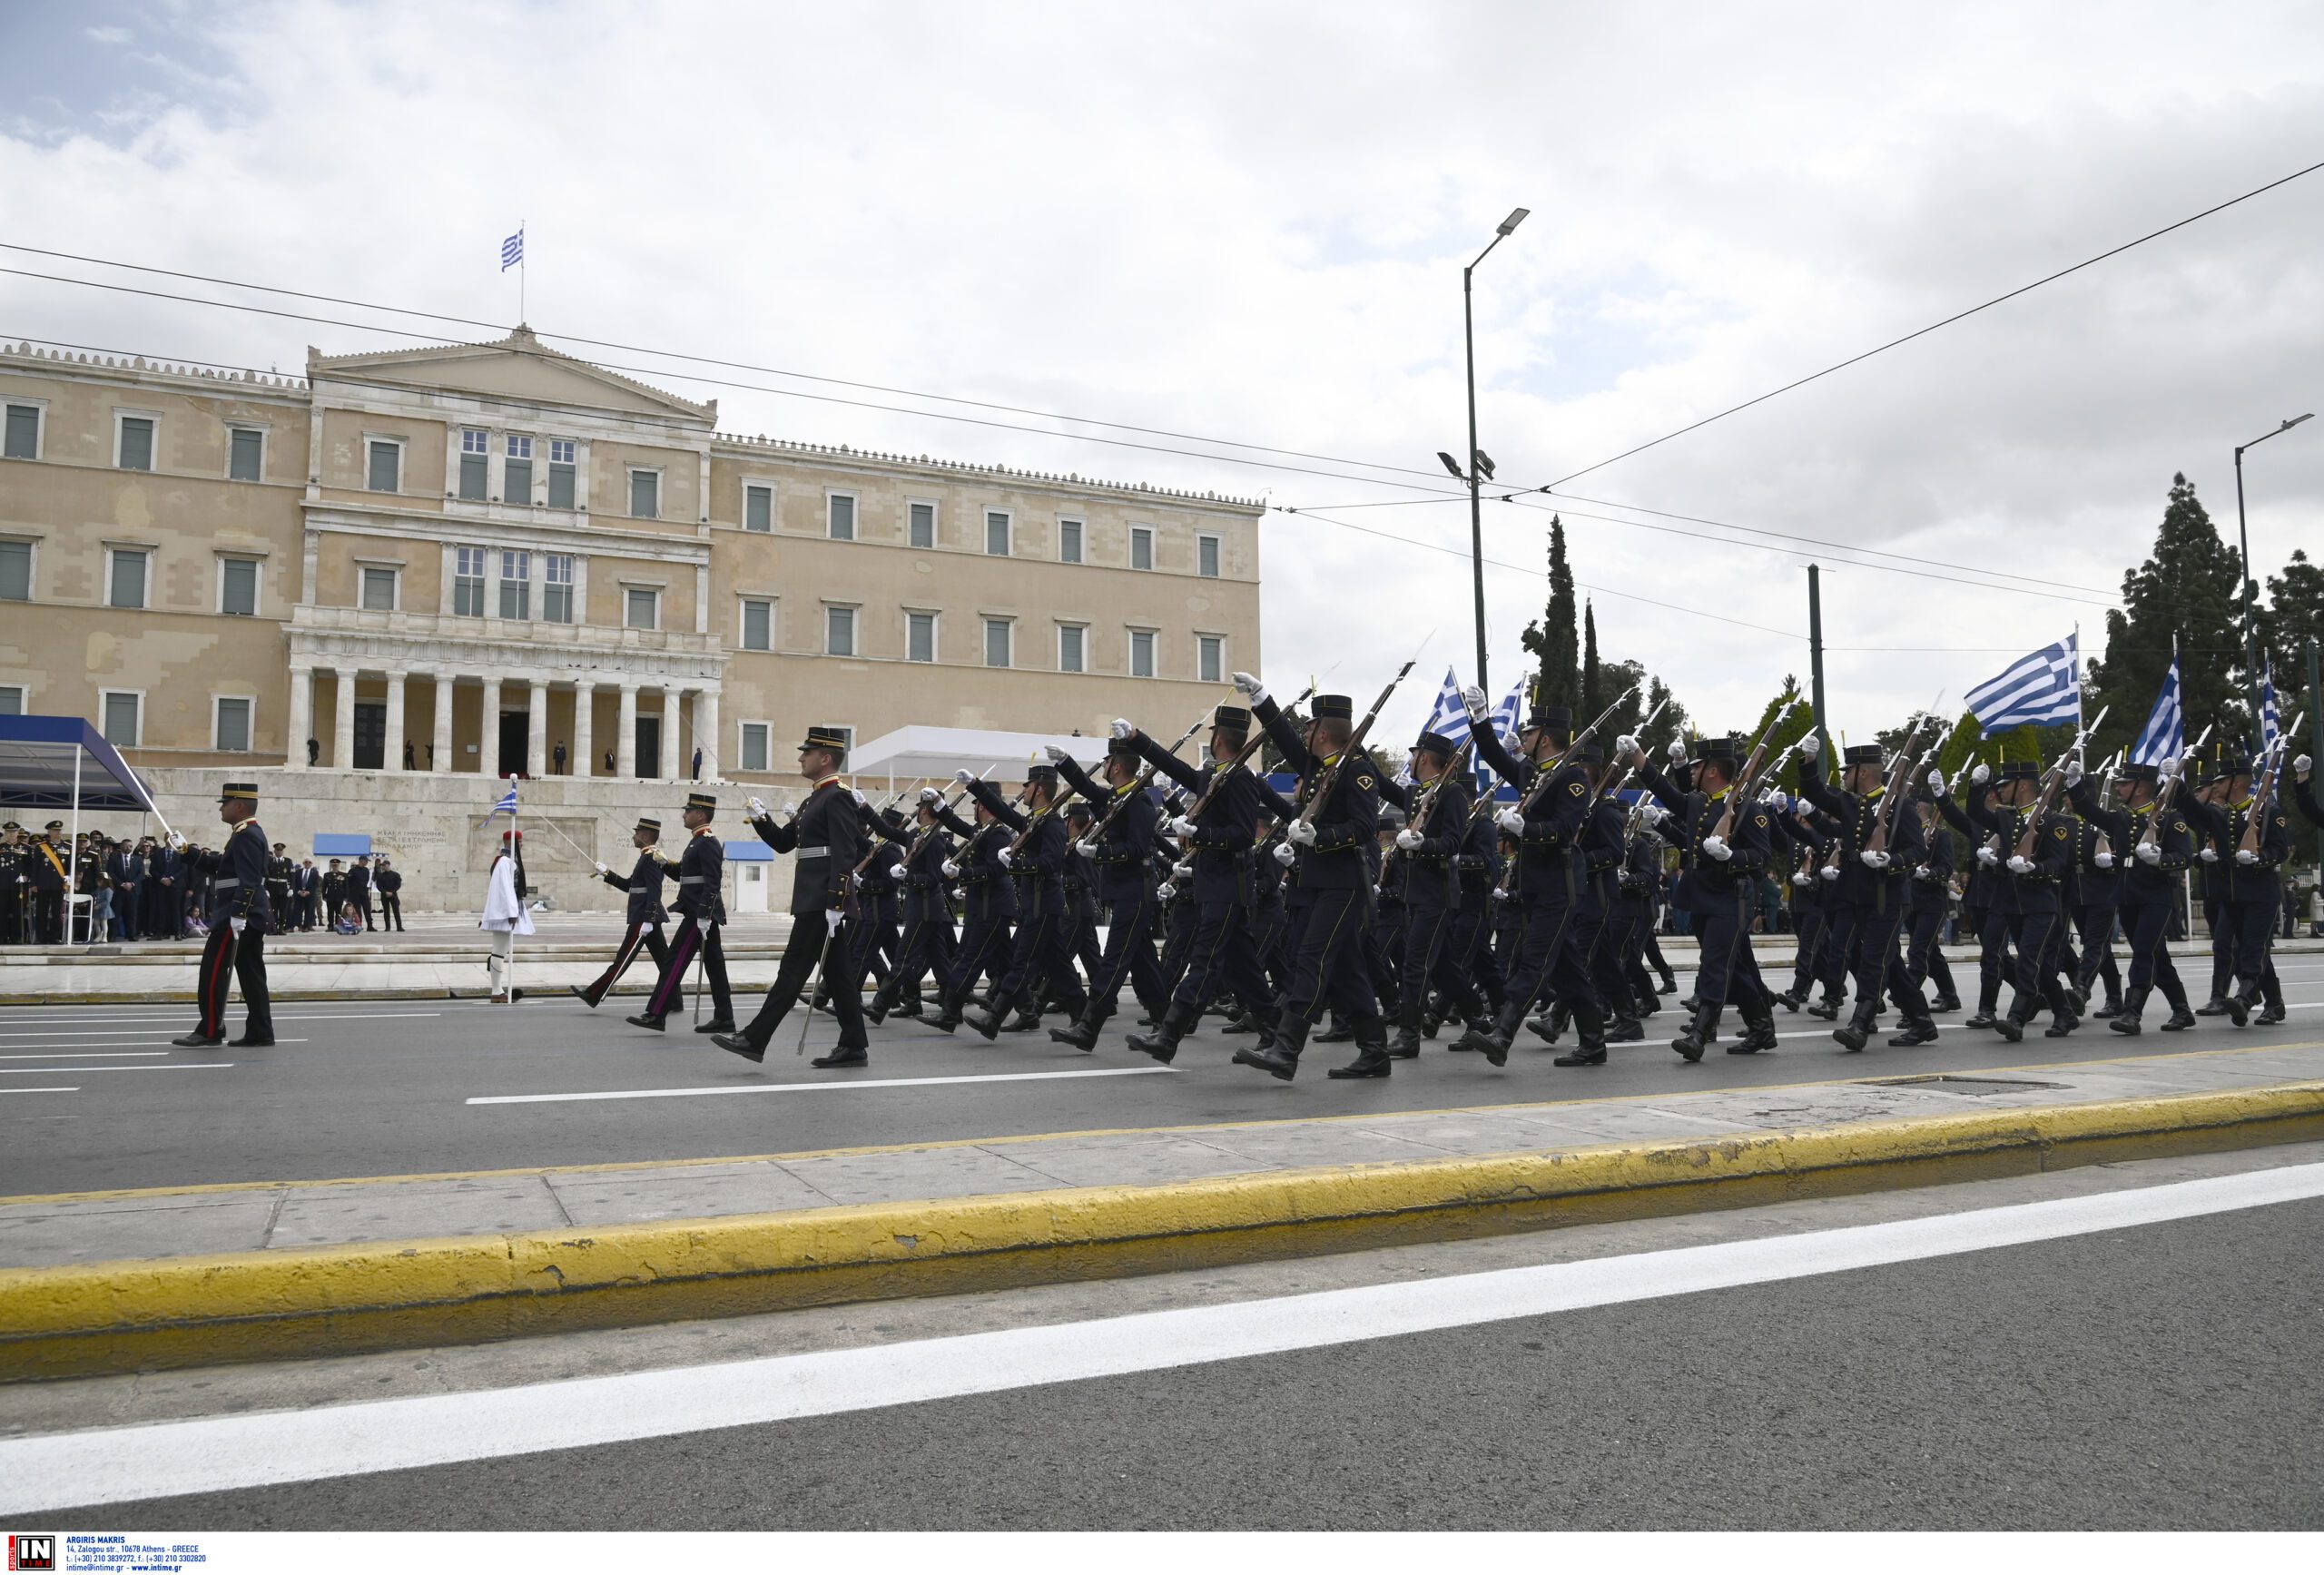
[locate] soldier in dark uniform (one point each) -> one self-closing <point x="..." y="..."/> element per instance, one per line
<point x="1041" y="959"/>
<point x="334" y="885"/>
<point x="1598" y="855"/>
<point x="917" y="868"/>
<point x="2098" y="897"/>
<point x="1870" y="898"/>
<point x="1120" y="848"/>
<point x="1081" y="899"/>
<point x="700" y="874"/>
<point x="827" y="834"/>
<point x="2154" y="846"/>
<point x="2247" y="882"/>
<point x="1426" y="870"/>
<point x="388" y="883"/>
<point x="642" y="889"/>
<point x="2025" y="895"/>
<point x="236" y="949"/>
<point x="277" y="889"/>
<point x="49" y="864"/>
<point x="1218" y="950"/>
<point x="1931" y="892"/>
<point x="1638" y="892"/>
<point x="358" y="888"/>
<point x="988" y="910"/>
<point x="875" y="932"/>
<point x="15" y="884"/>
<point x="1810" y="836"/>
<point x="1718" y="877"/>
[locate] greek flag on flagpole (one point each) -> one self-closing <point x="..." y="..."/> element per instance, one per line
<point x="507" y="801"/>
<point x="1506" y="715"/>
<point x="2040" y="690"/>
<point x="1451" y="717"/>
<point x="2164" y="737"/>
<point x="2272" y="723"/>
<point x="512" y="250"/>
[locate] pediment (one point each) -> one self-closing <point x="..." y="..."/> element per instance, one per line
<point x="517" y="367"/>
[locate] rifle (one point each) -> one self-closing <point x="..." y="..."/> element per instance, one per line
<point x="2264" y="789"/>
<point x="2169" y="789"/>
<point x="1606" y="786"/>
<point x="1146" y="777"/>
<point x="2050" y="781"/>
<point x="919" y="837"/>
<point x="1425" y="808"/>
<point x="1250" y="745"/>
<point x="1740" y="785"/>
<point x="1877" y="841"/>
<point x="1321" y="785"/>
<point x="1544" y="770"/>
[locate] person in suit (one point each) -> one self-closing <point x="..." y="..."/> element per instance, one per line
<point x="237" y="915"/>
<point x="388" y="883"/>
<point x="125" y="872"/>
<point x="304" y="892"/>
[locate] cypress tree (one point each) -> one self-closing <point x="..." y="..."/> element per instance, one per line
<point x="2187" y="588"/>
<point x="1554" y="639"/>
<point x="1593" y="693"/>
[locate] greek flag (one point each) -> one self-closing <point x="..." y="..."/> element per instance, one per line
<point x="1506" y="715"/>
<point x="2040" y="690"/>
<point x="1451" y="717"/>
<point x="507" y="801"/>
<point x="2164" y="737"/>
<point x="512" y="250"/>
<point x="2271" y="721"/>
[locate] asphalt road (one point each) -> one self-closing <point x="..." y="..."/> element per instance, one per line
<point x="2156" y="1376"/>
<point x="94" y="1097"/>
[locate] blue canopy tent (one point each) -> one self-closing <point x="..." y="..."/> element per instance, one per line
<point x="55" y="763"/>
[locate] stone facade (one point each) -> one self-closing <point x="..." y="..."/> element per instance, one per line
<point x="477" y="554"/>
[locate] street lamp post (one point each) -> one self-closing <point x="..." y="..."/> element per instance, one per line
<point x="2250" y="590"/>
<point x="1476" y="510"/>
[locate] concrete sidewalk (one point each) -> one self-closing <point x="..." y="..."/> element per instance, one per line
<point x="106" y="1282"/>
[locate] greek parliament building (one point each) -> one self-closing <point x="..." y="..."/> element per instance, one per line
<point x="430" y="567"/>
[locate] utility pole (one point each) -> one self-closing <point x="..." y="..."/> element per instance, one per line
<point x="2248" y="593"/>
<point x="1470" y="472"/>
<point x="2315" y="752"/>
<point x="1815" y="653"/>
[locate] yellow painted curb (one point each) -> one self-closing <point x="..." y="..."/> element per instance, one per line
<point x="146" y="1313"/>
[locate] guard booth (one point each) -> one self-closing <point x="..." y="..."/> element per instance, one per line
<point x="753" y="864"/>
<point x="61" y="763"/>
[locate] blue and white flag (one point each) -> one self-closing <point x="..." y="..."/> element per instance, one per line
<point x="1506" y="715"/>
<point x="2272" y="723"/>
<point x="2164" y="737"/>
<point x="507" y="801"/>
<point x="1450" y="716"/>
<point x="2040" y="690"/>
<point x="512" y="250"/>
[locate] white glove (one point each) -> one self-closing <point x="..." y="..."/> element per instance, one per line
<point x="1087" y="847"/>
<point x="1936" y="781"/>
<point x="1780" y="803"/>
<point x="2246" y="856"/>
<point x="1165" y="891"/>
<point x="1512" y="820"/>
<point x="951" y="870"/>
<point x="963" y="777"/>
<point x="1122" y="729"/>
<point x="177" y="843"/>
<point x="1988" y="858"/>
<point x="1182" y="826"/>
<point x="238" y="924"/>
<point x="2020" y="865"/>
<point x="1874" y="859"/>
<point x="1251" y="687"/>
<point x="1652" y="815"/>
<point x="1008" y="857"/>
<point x="1920" y="872"/>
<point x="1408" y="839"/>
<point x="861" y="801"/>
<point x="1810" y="747"/>
<point x="1678" y="749"/>
<point x="2073" y="773"/>
<point x="756" y="806"/>
<point x="2148" y="854"/>
<point x="1981" y="775"/>
<point x="2208" y="855"/>
<point x="605" y="869"/>
<point x="1473" y="699"/>
<point x="1302" y="832"/>
<point x="832" y="916"/>
<point x="1056" y="756"/>
<point x="2300" y="765"/>
<point x="1828" y="873"/>
<point x="2102" y="859"/>
<point x="929" y="795"/>
<point x="1182" y="868"/>
<point x="895" y="871"/>
<point x="1716" y="848"/>
<point x="1625" y="746"/>
<point x="1285" y="855"/>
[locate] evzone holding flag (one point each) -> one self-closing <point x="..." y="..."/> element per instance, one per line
<point x="506" y="916"/>
<point x="642" y="889"/>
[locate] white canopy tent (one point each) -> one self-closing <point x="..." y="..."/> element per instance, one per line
<point x="910" y="754"/>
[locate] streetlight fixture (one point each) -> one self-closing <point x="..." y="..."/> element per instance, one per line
<point x="1477" y="461"/>
<point x="2250" y="589"/>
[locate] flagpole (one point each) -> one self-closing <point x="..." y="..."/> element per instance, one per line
<point x="515" y="862"/>
<point x="520" y="270"/>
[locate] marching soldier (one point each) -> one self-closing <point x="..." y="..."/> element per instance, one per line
<point x="1040" y="953"/>
<point x="643" y="889"/>
<point x="927" y="946"/>
<point x="1870" y="896"/>
<point x="2026" y="894"/>
<point x="1121" y="846"/>
<point x="701" y="873"/>
<point x="827" y="835"/>
<point x="988" y="910"/>
<point x="1424" y="877"/>
<point x="2248" y="842"/>
<point x="1931" y="890"/>
<point x="2161" y="846"/>
<point x="236" y="949"/>
<point x="1081" y="901"/>
<point x="2097" y="897"/>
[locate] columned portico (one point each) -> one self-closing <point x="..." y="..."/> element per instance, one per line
<point x="302" y="715"/>
<point x="487" y="730"/>
<point x="536" y="759"/>
<point x="441" y="760"/>
<point x="392" y="759"/>
<point x="584" y="742"/>
<point x="705" y="731"/>
<point x="626" y="741"/>
<point x="342" y="732"/>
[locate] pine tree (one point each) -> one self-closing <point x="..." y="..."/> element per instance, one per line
<point x="2294" y="618"/>
<point x="1553" y="639"/>
<point x="1593" y="693"/>
<point x="2186" y="588"/>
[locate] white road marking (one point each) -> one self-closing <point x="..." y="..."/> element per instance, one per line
<point x="222" y="1454"/>
<point x="110" y="1055"/>
<point x="81" y="1071"/>
<point x="39" y="1090"/>
<point x="180" y="1016"/>
<point x="817" y="1087"/>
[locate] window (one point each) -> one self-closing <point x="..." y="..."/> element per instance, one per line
<point x="1141" y="547"/>
<point x="646" y="494"/>
<point x="125" y="580"/>
<point x="15" y="571"/>
<point x="923" y="526"/>
<point x="1141" y="652"/>
<point x="758" y="508"/>
<point x="12" y="700"/>
<point x="556" y="586"/>
<point x="1210" y="658"/>
<point x="919" y="636"/>
<point x="232" y="729"/>
<point x="995" y="533"/>
<point x="755" y="736"/>
<point x="843" y="516"/>
<point x="1068" y="541"/>
<point x="560" y="473"/>
<point x="118" y="712"/>
<point x="517" y="584"/>
<point x="387" y="466"/>
<point x="379" y="589"/>
<point x="758" y="625"/>
<point x="246" y="454"/>
<point x="997" y="632"/>
<point x="23" y="432"/>
<point x="1072" y="648"/>
<point x="238" y="587"/>
<point x="468" y="582"/>
<point x="476" y="464"/>
<point x="136" y="449"/>
<point x="1207" y="556"/>
<point x="838" y="631"/>
<point x="642" y="607"/>
<point x="516" y="470"/>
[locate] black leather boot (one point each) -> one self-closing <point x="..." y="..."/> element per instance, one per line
<point x="1758" y="1033"/>
<point x="1624" y="1030"/>
<point x="1857" y="1030"/>
<point x="1701" y="1033"/>
<point x="1917" y="1031"/>
<point x="2126" y="1021"/>
<point x="1162" y="1041"/>
<point x="1281" y="1059"/>
<point x="2239" y="1004"/>
<point x="1791" y="1000"/>
<point x="1083" y="1033"/>
<point x="1590" y="1040"/>
<point x="1947" y="1002"/>
<point x="1829" y="1009"/>
<point x="1339" y="1033"/>
<point x="1372" y="1057"/>
<point x="1405" y="1045"/>
<point x="986" y="1023"/>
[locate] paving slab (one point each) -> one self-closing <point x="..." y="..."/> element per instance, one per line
<point x="228" y="1224"/>
<point x="325" y="1215"/>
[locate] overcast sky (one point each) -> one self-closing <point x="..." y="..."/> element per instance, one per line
<point x="1248" y="221"/>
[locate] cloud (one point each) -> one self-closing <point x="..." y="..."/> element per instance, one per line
<point x="110" y="35"/>
<point x="1249" y="222"/>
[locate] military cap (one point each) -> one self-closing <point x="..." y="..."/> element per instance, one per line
<point x="1390" y="817"/>
<point x="1586" y="755"/>
<point x="2233" y="765"/>
<point x="54" y="826"/>
<point x="1554" y="718"/>
<point x="1044" y="774"/>
<point x="1437" y="744"/>
<point x="2136" y="772"/>
<point x="2017" y="770"/>
<point x="1860" y="754"/>
<point x="1078" y="810"/>
<point x="1231" y="719"/>
<point x="1333" y="708"/>
<point x="1122" y="749"/>
<point x="10" y="826"/>
<point x="707" y="802"/>
<point x="238" y="790"/>
<point x="1721" y="749"/>
<point x="830" y="738"/>
<point x="646" y="824"/>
